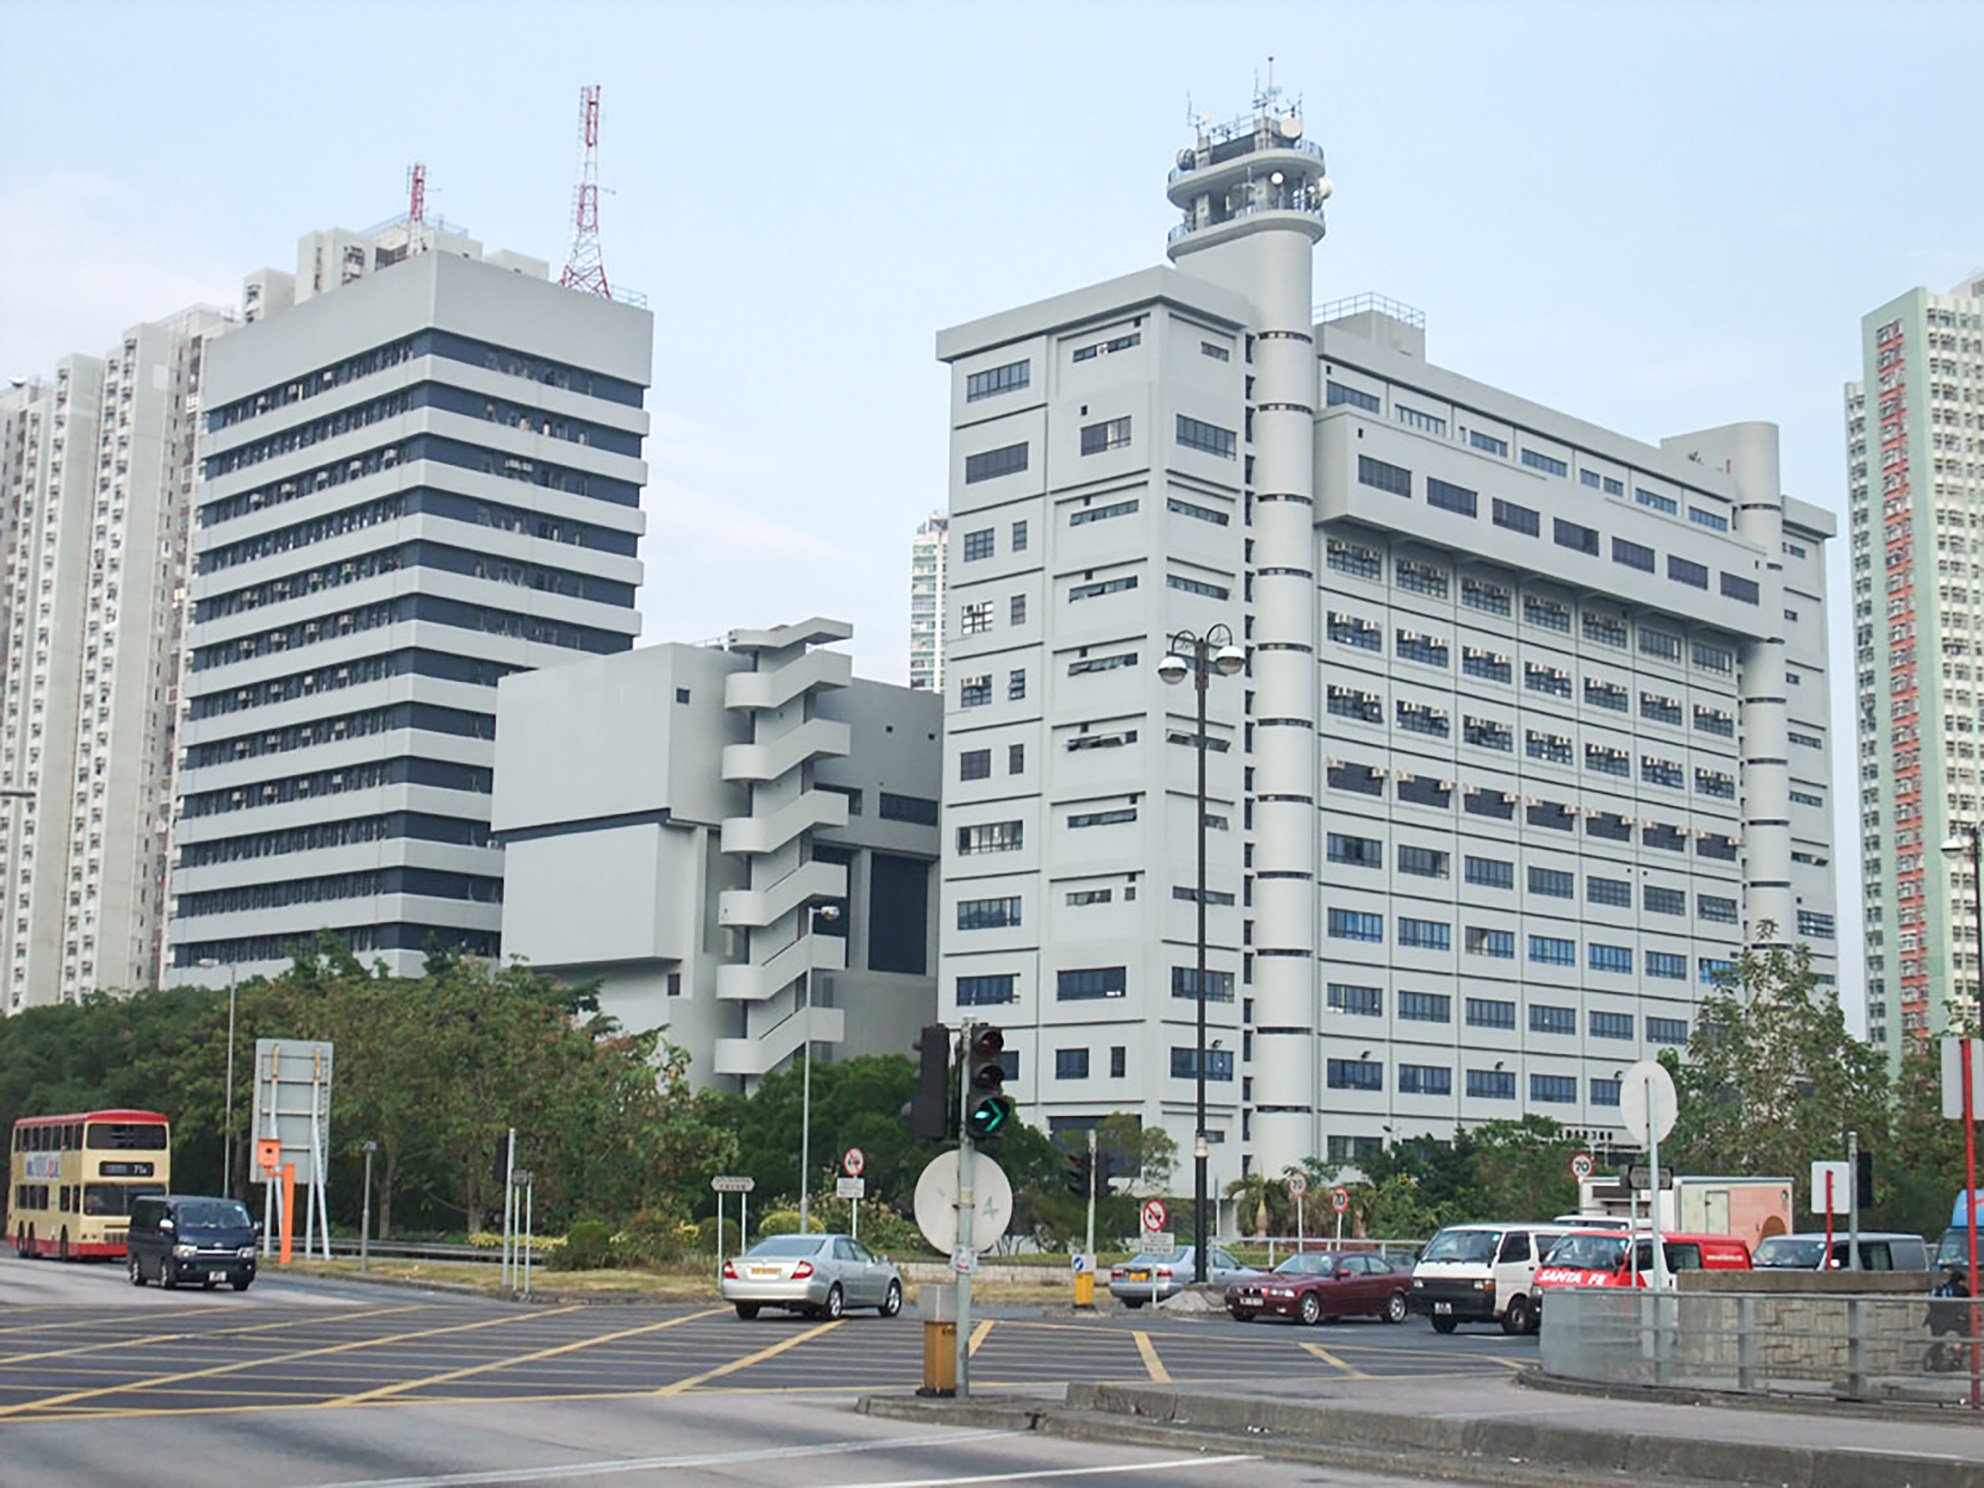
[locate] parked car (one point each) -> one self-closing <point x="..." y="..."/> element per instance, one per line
<point x="1880" y="1250"/>
<point x="1156" y="1278"/>
<point x="1483" y="1273"/>
<point x="1615" y="1258"/>
<point x="1315" y="1284"/>
<point x="189" y="1237"/>
<point x="819" y="1274"/>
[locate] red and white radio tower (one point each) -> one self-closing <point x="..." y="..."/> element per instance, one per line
<point x="583" y="268"/>
<point x="416" y="193"/>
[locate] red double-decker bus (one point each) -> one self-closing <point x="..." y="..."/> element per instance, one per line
<point x="71" y="1179"/>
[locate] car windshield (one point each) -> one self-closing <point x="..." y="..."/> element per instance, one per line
<point x="214" y="1214"/>
<point x="1466" y="1247"/>
<point x="1781" y="1251"/>
<point x="787" y="1245"/>
<point x="1307" y="1264"/>
<point x="1589" y="1252"/>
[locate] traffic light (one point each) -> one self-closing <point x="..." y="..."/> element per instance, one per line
<point x="1078" y="1169"/>
<point x="931" y="1107"/>
<point x="989" y="1110"/>
<point x="1863" y="1178"/>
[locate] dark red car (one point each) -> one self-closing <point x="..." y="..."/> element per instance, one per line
<point x="1315" y="1284"/>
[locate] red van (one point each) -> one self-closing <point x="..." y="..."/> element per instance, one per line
<point x="1613" y="1258"/>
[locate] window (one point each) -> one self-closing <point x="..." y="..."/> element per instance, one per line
<point x="1549" y="679"/>
<point x="1425" y="1007"/>
<point x="1711" y="658"/>
<point x="1588" y="478"/>
<point x="1490" y="873"/>
<point x="1607" y="761"/>
<point x="1664" y="504"/>
<point x="1716" y="908"/>
<point x="919" y="809"/>
<point x="1091" y="983"/>
<point x="1609" y="825"/>
<point x="1659" y="900"/>
<point x="1420" y="577"/>
<point x="1722" y="785"/>
<point x="1743" y="590"/>
<point x="1667" y="1031"/>
<point x="1089" y="664"/>
<point x="1016" y="684"/>
<point x="1008" y="460"/>
<point x="1551" y="748"/>
<point x="1517" y="518"/>
<point x="1660" y="709"/>
<point x="1491" y="1084"/>
<point x="1548" y="464"/>
<point x="1667" y="965"/>
<point x="1713" y="971"/>
<point x="1574" y="536"/>
<point x="1212" y="439"/>
<point x="1337" y="393"/>
<point x="1479" y="801"/>
<point x="1358" y="560"/>
<point x="1196" y="512"/>
<point x="1352" y="630"/>
<point x="1490" y="1012"/>
<point x="1687" y="571"/>
<point x="1605" y="1092"/>
<point x="989" y="837"/>
<point x="1487" y="665"/>
<point x="979" y="544"/>
<point x="1609" y="1025"/>
<point x="1214" y="350"/>
<point x="1016" y="610"/>
<point x="1553" y="883"/>
<point x="1361" y="779"/>
<point x="1426" y="423"/>
<point x="1424" y="935"/>
<point x="1544" y="1018"/>
<point x="1424" y="649"/>
<point x="1553" y="1089"/>
<point x="1714" y="521"/>
<point x="1108" y="435"/>
<point x="1449" y="497"/>
<point x="974" y="692"/>
<point x="1115" y="816"/>
<point x="1657" y="771"/>
<point x="1488" y="734"/>
<point x="1351" y="924"/>
<point x="1547" y="614"/>
<point x="1019" y="537"/>
<point x="1185" y="983"/>
<point x="1423" y="790"/>
<point x="1104" y="348"/>
<point x="995" y="380"/>
<point x="1632" y="554"/>
<point x="1362" y="1002"/>
<point x="1481" y="941"/>
<point x="1349" y="702"/>
<point x="1102" y="513"/>
<point x="1422" y="862"/>
<point x="1614" y="487"/>
<point x="1355" y="1074"/>
<point x="1376" y="473"/>
<point x="1119" y="1055"/>
<point x="1611" y="958"/>
<point x="1425" y="1079"/>
<point x="975" y="764"/>
<point x="1663" y="837"/>
<point x="1479" y="594"/>
<point x="1488" y="443"/>
<point x="1552" y="814"/>
<point x="988" y="914"/>
<point x="1015" y="759"/>
<point x="1660" y="645"/>
<point x="1607" y="630"/>
<point x="1196" y="586"/>
<point x="1359" y="852"/>
<point x="982" y="991"/>
<point x="1078" y="898"/>
<point x="975" y="619"/>
<point x="1071" y="1064"/>
<point x="1815" y="925"/>
<point x="1551" y="950"/>
<point x="1185" y="1064"/>
<point x="1096" y="588"/>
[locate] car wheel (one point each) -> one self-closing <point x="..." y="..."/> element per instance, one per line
<point x="1133" y="1303"/>
<point x="1443" y="1325"/>
<point x="240" y="1283"/>
<point x="1311" y="1309"/>
<point x="62" y="1245"/>
<point x="892" y="1300"/>
<point x="1517" y="1319"/>
<point x="747" y="1310"/>
<point x="1238" y="1314"/>
<point x="168" y="1273"/>
<point x="137" y="1271"/>
<point x="1395" y="1308"/>
<point x="835" y="1305"/>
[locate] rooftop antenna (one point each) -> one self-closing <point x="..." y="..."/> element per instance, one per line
<point x="416" y="194"/>
<point x="583" y="268"/>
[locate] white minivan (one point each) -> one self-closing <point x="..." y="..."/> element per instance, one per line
<point x="1482" y="1273"/>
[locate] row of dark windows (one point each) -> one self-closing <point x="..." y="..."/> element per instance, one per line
<point x="429" y="717"/>
<point x="429" y="883"/>
<point x="404" y="608"/>
<point x="360" y="940"/>
<point x="369" y="775"/>
<point x="410" y="662"/>
<point x="391" y="826"/>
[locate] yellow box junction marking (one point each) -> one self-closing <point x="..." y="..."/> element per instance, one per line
<point x="978" y="1336"/>
<point x="1153" y="1365"/>
<point x="1350" y="1370"/>
<point x="682" y="1386"/>
<point x="195" y="1336"/>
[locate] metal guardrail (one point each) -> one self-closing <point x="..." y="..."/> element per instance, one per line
<point x="428" y="1250"/>
<point x="1879" y="1347"/>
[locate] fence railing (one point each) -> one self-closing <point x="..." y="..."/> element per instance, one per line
<point x="1841" y="1347"/>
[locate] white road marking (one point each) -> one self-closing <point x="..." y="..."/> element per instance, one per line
<point x="1031" y="1474"/>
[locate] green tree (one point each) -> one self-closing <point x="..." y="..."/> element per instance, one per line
<point x="1522" y="1169"/>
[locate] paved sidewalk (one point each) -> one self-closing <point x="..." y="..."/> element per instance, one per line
<point x="1498" y="1431"/>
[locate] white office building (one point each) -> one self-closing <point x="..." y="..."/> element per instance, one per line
<point x="1531" y="740"/>
<point x="96" y="479"/>
<point x="929" y="552"/>
<point x="422" y="473"/>
<point x="738" y="841"/>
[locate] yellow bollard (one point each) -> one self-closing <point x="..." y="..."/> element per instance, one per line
<point x="1084" y="1289"/>
<point x="938" y="1307"/>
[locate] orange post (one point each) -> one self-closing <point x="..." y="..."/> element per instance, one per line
<point x="288" y="1207"/>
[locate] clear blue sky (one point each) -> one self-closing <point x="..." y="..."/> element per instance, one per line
<point x="1654" y="216"/>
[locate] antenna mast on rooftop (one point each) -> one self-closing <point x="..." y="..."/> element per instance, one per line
<point x="416" y="194"/>
<point x="583" y="268"/>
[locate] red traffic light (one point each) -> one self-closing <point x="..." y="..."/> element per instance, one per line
<point x="988" y="1042"/>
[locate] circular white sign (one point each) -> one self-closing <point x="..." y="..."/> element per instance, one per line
<point x="1298" y="1185"/>
<point x="1647" y="1091"/>
<point x="1339" y="1199"/>
<point x="851" y="1162"/>
<point x="1581" y="1165"/>
<point x="1155" y="1214"/>
<point x="937" y="1202"/>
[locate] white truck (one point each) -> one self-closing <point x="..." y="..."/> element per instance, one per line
<point x="1751" y="1209"/>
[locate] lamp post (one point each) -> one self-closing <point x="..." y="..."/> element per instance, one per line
<point x="1968" y="842"/>
<point x="1198" y="657"/>
<point x="208" y="963"/>
<point x="824" y="914"/>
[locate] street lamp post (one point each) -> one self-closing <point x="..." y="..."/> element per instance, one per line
<point x="1198" y="657"/>
<point x="208" y="963"/>
<point x="822" y="914"/>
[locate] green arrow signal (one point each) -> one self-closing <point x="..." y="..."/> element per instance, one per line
<point x="990" y="1115"/>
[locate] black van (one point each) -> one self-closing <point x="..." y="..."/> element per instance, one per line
<point x="184" y="1237"/>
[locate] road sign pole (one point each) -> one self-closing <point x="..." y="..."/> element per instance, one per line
<point x="1653" y="1188"/>
<point x="1301" y="1241"/>
<point x="1088" y="1245"/>
<point x="1967" y="1047"/>
<point x="1853" y="1201"/>
<point x="719" y="1237"/>
<point x="965" y="1261"/>
<point x="1826" y="1264"/>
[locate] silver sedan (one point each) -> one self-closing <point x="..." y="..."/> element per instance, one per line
<point x="823" y="1275"/>
<point x="1158" y="1278"/>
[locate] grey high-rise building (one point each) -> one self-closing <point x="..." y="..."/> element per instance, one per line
<point x="1531" y="740"/>
<point x="422" y="472"/>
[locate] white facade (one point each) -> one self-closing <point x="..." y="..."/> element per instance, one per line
<point x="1532" y="737"/>
<point x="422" y="473"/>
<point x="96" y="478"/>
<point x="727" y="837"/>
<point x="929" y="553"/>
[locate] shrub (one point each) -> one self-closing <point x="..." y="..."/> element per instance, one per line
<point x="588" y="1247"/>
<point x="656" y="1237"/>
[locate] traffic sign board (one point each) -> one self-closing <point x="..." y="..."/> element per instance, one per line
<point x="1339" y="1199"/>
<point x="1581" y="1165"/>
<point x="850" y="1188"/>
<point x="1154" y="1214"/>
<point x="1078" y="1263"/>
<point x="852" y="1161"/>
<point x="1298" y="1184"/>
<point x="1160" y="1242"/>
<point x="731" y="1183"/>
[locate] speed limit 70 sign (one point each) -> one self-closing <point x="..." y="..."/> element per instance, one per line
<point x="1581" y="1165"/>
